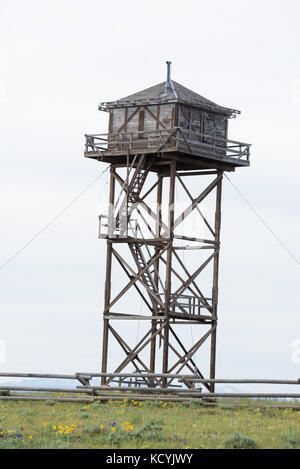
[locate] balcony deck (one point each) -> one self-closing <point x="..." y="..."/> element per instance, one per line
<point x="187" y="147"/>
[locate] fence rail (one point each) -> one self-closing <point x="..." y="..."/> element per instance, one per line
<point x="186" y="392"/>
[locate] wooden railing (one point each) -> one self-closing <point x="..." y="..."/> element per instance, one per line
<point x="211" y="144"/>
<point x="186" y="140"/>
<point x="137" y="388"/>
<point x="119" y="142"/>
<point x="108" y="227"/>
<point x="191" y="305"/>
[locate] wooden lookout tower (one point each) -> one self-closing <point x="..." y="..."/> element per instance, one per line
<point x="167" y="148"/>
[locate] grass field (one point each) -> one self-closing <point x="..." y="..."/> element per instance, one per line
<point x="154" y="425"/>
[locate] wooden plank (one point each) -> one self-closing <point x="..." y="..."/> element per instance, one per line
<point x="127" y="119"/>
<point x="39" y="389"/>
<point x="160" y="123"/>
<point x="141" y="119"/>
<point x="248" y="395"/>
<point x="36" y="375"/>
<point x="246" y="381"/>
<point x="120" y="316"/>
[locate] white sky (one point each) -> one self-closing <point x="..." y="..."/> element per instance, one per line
<point x="59" y="59"/>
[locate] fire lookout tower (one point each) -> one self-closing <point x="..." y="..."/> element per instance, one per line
<point x="158" y="139"/>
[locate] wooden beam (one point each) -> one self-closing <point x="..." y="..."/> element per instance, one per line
<point x="107" y="291"/>
<point x="188" y="355"/>
<point x="190" y="280"/>
<point x="169" y="267"/>
<point x="197" y="208"/>
<point x="136" y="278"/>
<point x="215" y="282"/>
<point x="196" y="201"/>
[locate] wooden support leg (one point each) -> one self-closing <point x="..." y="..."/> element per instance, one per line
<point x="156" y="278"/>
<point x="163" y="313"/>
<point x="107" y="283"/>
<point x="169" y="269"/>
<point x="215" y="283"/>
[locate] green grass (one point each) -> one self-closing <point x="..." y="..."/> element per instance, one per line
<point x="150" y="425"/>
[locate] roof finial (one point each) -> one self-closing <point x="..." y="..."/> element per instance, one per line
<point x="168" y="87"/>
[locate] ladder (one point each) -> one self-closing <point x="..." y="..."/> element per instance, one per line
<point x="123" y="221"/>
<point x="134" y="190"/>
<point x="136" y="249"/>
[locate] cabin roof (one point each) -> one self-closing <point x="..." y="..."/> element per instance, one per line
<point x="157" y="95"/>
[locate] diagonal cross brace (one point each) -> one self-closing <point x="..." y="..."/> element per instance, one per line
<point x="186" y="284"/>
<point x="195" y="202"/>
<point x="151" y="293"/>
<point x="139" y="348"/>
<point x="189" y="354"/>
<point x="137" y="277"/>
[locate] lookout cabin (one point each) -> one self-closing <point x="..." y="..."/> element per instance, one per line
<point x="173" y="123"/>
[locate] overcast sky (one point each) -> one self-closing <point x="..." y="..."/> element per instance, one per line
<point x="59" y="59"/>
